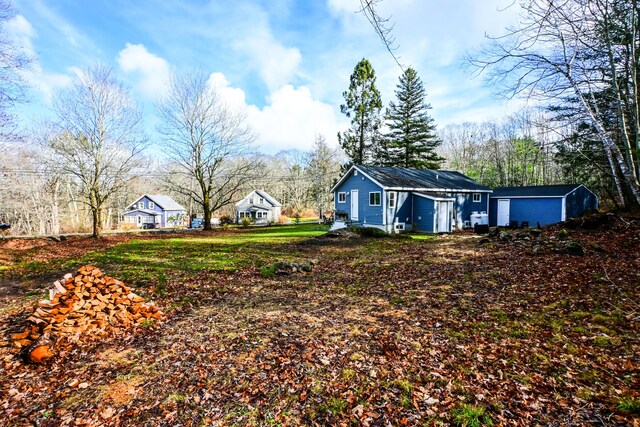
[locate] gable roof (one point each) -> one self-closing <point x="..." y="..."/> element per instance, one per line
<point x="146" y="211"/>
<point x="417" y="179"/>
<point x="165" y="202"/>
<point x="266" y="196"/>
<point x="535" y="191"/>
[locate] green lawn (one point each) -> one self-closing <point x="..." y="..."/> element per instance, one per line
<point x="152" y="261"/>
<point x="140" y="261"/>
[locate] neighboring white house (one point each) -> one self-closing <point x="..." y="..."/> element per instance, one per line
<point x="258" y="206"/>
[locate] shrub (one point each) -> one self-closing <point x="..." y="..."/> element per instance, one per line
<point x="226" y="220"/>
<point x="283" y="219"/>
<point x="246" y="221"/>
<point x="268" y="271"/>
<point x="369" y="231"/>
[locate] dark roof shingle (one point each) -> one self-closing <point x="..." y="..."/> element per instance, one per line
<point x="535" y="191"/>
<point x="421" y="178"/>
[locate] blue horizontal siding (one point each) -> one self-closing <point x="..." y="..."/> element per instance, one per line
<point x="366" y="214"/>
<point x="423" y="214"/>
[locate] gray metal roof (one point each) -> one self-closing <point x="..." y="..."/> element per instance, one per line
<point x="535" y="191"/>
<point x="421" y="178"/>
<point x="165" y="202"/>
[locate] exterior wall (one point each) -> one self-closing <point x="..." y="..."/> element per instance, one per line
<point x="580" y="201"/>
<point x="423" y="214"/>
<point x="464" y="205"/>
<point x="401" y="213"/>
<point x="542" y="210"/>
<point x="132" y="218"/>
<point x="367" y="215"/>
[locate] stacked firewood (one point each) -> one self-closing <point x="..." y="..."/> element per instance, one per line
<point x="87" y="304"/>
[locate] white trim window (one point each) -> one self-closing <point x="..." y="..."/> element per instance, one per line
<point x="477" y="197"/>
<point x="250" y="200"/>
<point x="261" y="201"/>
<point x="374" y="198"/>
<point x="141" y="205"/>
<point x="152" y="205"/>
<point x="342" y="197"/>
<point x="392" y="199"/>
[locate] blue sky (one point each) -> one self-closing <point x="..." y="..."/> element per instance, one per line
<point x="286" y="62"/>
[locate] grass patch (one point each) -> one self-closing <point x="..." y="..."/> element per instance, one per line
<point x="629" y="405"/>
<point x="335" y="405"/>
<point x="471" y="416"/>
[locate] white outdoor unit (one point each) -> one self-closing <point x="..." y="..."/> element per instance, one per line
<point x="479" y="218"/>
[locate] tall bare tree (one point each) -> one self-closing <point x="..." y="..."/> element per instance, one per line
<point x="323" y="171"/>
<point x="97" y="137"/>
<point x="13" y="61"/>
<point x="584" y="49"/>
<point x="209" y="141"/>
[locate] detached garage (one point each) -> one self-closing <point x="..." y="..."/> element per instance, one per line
<point x="539" y="204"/>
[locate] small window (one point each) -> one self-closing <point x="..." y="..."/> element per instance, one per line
<point x="152" y="205"/>
<point x="250" y="200"/>
<point x="342" y="197"/>
<point x="477" y="197"/>
<point x="355" y="173"/>
<point x="141" y="205"/>
<point x="261" y="200"/>
<point x="374" y="198"/>
<point x="392" y="199"/>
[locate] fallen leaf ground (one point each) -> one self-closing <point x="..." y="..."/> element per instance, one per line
<point x="383" y="332"/>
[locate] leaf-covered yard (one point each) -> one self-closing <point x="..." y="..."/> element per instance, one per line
<point x="381" y="332"/>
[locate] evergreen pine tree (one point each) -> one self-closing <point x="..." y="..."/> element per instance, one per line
<point x="362" y="105"/>
<point x="411" y="140"/>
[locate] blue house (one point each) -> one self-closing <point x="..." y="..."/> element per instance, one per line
<point x="539" y="204"/>
<point x="155" y="210"/>
<point x="397" y="199"/>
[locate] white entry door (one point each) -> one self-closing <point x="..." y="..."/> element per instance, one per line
<point x="354" y="205"/>
<point x="442" y="217"/>
<point x="503" y="212"/>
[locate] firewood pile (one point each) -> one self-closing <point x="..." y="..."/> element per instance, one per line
<point x="88" y="304"/>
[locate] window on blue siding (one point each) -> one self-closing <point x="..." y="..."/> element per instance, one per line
<point x="392" y="199"/>
<point x="152" y="205"/>
<point x="477" y="197"/>
<point x="342" y="197"/>
<point x="374" y="198"/>
<point x="141" y="205"/>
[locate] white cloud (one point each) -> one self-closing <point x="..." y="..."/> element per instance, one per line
<point x="275" y="63"/>
<point x="232" y="96"/>
<point x="152" y="71"/>
<point x="292" y="119"/>
<point x="21" y="32"/>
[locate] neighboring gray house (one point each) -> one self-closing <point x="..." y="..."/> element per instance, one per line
<point x="156" y="209"/>
<point x="259" y="206"/>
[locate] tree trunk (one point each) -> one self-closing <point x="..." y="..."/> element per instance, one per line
<point x="207" y="212"/>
